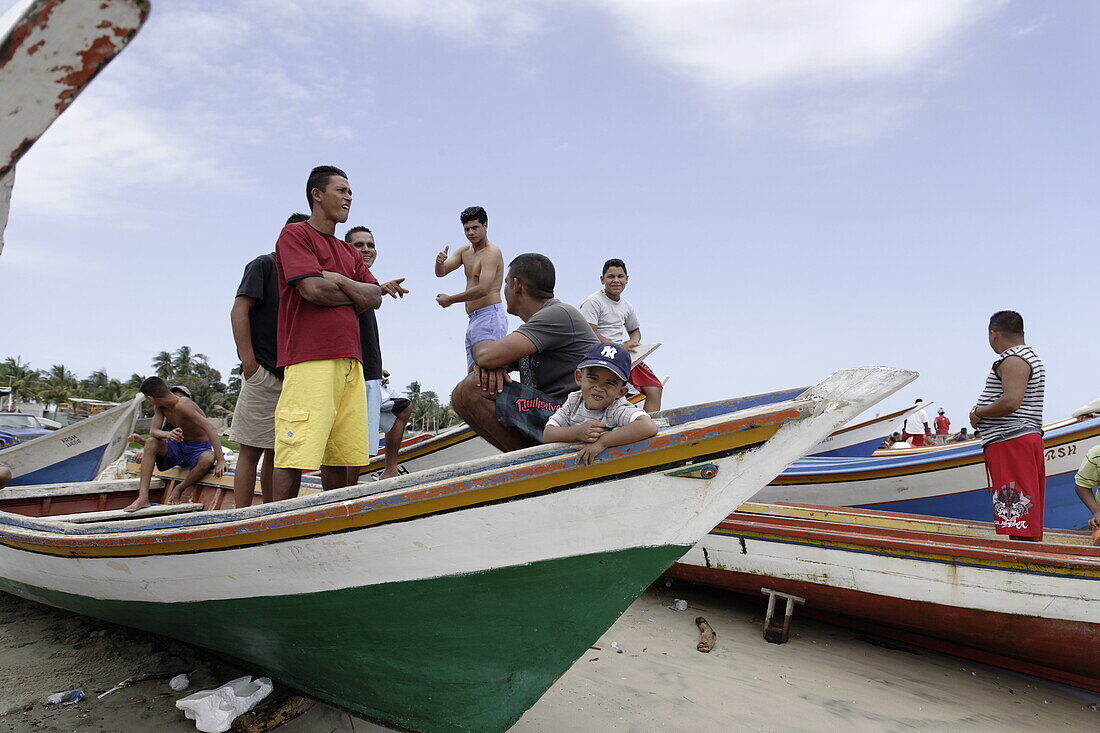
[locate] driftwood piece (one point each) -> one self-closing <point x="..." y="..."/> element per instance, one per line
<point x="707" y="637"/>
<point x="281" y="707"/>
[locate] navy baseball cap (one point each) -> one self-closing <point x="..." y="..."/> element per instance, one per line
<point x="610" y="356"/>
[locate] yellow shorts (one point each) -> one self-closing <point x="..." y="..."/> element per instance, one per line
<point x="321" y="418"/>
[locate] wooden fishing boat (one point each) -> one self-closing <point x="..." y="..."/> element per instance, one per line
<point x="77" y="452"/>
<point x="49" y="51"/>
<point x="949" y="481"/>
<point x="948" y="585"/>
<point x="460" y="443"/>
<point x="446" y="600"/>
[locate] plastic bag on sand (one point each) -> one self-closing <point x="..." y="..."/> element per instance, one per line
<point x="214" y="710"/>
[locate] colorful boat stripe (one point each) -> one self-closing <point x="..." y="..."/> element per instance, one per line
<point x="276" y="523"/>
<point x="882" y="547"/>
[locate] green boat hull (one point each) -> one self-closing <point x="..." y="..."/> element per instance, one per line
<point x="459" y="653"/>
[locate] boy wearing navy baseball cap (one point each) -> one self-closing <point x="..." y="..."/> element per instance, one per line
<point x="598" y="416"/>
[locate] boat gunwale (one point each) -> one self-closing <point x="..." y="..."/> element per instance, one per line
<point x="818" y="470"/>
<point x="921" y="545"/>
<point x="461" y="433"/>
<point x="734" y="430"/>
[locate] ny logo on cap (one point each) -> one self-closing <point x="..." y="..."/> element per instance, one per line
<point x="608" y="352"/>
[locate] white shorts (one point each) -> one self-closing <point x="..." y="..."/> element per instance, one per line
<point x="374" y="409"/>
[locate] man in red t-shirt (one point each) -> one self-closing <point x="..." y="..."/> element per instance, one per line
<point x="943" y="427"/>
<point x="321" y="418"/>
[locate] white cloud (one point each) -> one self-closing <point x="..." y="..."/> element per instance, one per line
<point x="1027" y="30"/>
<point x="102" y="145"/>
<point x="753" y="44"/>
<point x="831" y="73"/>
<point x="500" y="22"/>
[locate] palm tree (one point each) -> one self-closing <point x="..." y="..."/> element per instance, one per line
<point x="111" y="392"/>
<point x="17" y="374"/>
<point x="183" y="363"/>
<point x="95" y="384"/>
<point x="162" y="365"/>
<point x="58" y="385"/>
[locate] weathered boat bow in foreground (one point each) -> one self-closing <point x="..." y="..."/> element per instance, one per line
<point x="49" y="51"/>
<point x="446" y="600"/>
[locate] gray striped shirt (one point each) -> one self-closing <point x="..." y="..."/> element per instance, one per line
<point x="1028" y="418"/>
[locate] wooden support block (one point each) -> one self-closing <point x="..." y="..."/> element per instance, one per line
<point x="779" y="633"/>
<point x="281" y="707"/>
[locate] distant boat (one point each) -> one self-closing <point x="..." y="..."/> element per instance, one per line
<point x="863" y="439"/>
<point x="76" y="452"/>
<point x="948" y="585"/>
<point x="447" y="600"/>
<point x="945" y="481"/>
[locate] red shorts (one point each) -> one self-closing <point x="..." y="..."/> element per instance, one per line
<point x="1017" y="484"/>
<point x="916" y="440"/>
<point x="643" y="376"/>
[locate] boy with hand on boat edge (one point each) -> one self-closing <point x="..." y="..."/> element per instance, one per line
<point x="599" y="415"/>
<point x="193" y="443"/>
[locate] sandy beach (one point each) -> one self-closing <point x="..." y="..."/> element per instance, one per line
<point x="825" y="679"/>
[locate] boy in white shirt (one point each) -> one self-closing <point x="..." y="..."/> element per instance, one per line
<point x="598" y="416"/>
<point x="613" y="319"/>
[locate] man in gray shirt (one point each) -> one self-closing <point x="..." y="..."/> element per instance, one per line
<point x="545" y="349"/>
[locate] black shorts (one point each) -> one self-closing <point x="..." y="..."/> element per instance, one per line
<point x="526" y="409"/>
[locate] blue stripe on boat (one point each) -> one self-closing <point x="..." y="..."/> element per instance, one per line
<point x="81" y="467"/>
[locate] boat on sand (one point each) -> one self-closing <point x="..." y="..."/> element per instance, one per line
<point x="949" y="585"/>
<point x="447" y="600"/>
<point x="76" y="452"/>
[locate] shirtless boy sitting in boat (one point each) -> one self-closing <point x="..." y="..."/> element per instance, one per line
<point x="192" y="444"/>
<point x="484" y="267"/>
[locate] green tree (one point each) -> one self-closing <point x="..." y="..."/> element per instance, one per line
<point x="183" y="363"/>
<point x="133" y="384"/>
<point x="59" y="384"/>
<point x="162" y="365"/>
<point x="95" y="384"/>
<point x="24" y="381"/>
<point x="193" y="371"/>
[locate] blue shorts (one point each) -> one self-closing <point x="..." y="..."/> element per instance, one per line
<point x="486" y="324"/>
<point x="183" y="454"/>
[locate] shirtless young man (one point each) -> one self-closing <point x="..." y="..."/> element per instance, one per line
<point x="193" y="443"/>
<point x="484" y="267"/>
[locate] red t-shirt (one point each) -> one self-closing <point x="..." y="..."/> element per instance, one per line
<point x="942" y="425"/>
<point x="308" y="331"/>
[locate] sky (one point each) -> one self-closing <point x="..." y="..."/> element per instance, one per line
<point x="795" y="186"/>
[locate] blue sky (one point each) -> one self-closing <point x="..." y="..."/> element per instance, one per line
<point x="795" y="186"/>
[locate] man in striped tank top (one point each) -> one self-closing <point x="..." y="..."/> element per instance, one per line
<point x="1010" y="416"/>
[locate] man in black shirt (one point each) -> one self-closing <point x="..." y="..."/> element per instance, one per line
<point x="393" y="418"/>
<point x="255" y="321"/>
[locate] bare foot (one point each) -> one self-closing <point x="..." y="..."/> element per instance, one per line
<point x="172" y="496"/>
<point x="138" y="504"/>
<point x="389" y="473"/>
